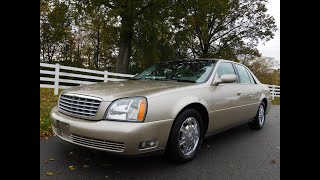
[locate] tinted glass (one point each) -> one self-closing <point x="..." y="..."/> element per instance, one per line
<point x="251" y="78"/>
<point x="244" y="76"/>
<point x="225" y="68"/>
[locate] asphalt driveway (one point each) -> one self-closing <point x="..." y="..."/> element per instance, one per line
<point x="239" y="153"/>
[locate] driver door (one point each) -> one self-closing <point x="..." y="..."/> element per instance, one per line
<point x="225" y="101"/>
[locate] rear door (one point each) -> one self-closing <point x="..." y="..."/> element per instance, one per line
<point x="249" y="93"/>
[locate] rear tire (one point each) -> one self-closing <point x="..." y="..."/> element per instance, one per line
<point x="260" y="117"/>
<point x="185" y="137"/>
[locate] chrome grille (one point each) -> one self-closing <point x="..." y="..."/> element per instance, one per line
<point x="96" y="143"/>
<point x="80" y="105"/>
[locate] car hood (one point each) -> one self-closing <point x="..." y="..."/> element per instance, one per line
<point x="110" y="91"/>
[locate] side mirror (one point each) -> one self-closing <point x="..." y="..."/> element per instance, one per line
<point x="226" y="78"/>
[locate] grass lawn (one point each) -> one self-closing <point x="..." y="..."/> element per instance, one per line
<point x="276" y="101"/>
<point x="47" y="101"/>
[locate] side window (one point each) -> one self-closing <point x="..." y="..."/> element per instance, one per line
<point x="244" y="76"/>
<point x="225" y="68"/>
<point x="251" y="78"/>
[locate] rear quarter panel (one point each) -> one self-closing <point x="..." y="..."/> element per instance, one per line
<point x="266" y="94"/>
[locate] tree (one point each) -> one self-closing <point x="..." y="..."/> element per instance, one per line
<point x="223" y="28"/>
<point x="264" y="69"/>
<point x="127" y="11"/>
<point x="55" y="30"/>
<point x="116" y="35"/>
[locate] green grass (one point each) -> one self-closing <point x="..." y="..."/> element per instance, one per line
<point x="47" y="101"/>
<point x="276" y="101"/>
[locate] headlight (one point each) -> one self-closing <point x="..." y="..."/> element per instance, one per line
<point x="127" y="109"/>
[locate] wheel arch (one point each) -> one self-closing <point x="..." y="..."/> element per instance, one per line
<point x="199" y="105"/>
<point x="202" y="111"/>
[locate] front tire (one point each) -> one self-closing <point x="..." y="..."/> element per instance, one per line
<point x="185" y="137"/>
<point x="260" y="117"/>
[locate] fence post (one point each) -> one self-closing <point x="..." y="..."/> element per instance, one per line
<point x="56" y="79"/>
<point x="273" y="91"/>
<point x="105" y="76"/>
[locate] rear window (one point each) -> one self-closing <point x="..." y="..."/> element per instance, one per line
<point x="243" y="73"/>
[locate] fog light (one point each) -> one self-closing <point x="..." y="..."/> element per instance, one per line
<point x="148" y="144"/>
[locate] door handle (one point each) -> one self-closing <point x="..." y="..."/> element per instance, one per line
<point x="239" y="93"/>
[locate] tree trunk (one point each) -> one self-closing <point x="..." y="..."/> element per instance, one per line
<point x="48" y="53"/>
<point x="126" y="33"/>
<point x="97" y="50"/>
<point x="78" y="54"/>
<point x="205" y="50"/>
<point x="43" y="53"/>
<point x="66" y="49"/>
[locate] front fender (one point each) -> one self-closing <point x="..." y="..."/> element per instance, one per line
<point x="182" y="103"/>
<point x="169" y="106"/>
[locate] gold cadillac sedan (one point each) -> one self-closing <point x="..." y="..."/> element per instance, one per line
<point x="169" y="107"/>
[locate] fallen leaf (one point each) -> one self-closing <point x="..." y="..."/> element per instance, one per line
<point x="273" y="161"/>
<point x="72" y="168"/>
<point x="49" y="173"/>
<point x="51" y="159"/>
<point x="86" y="166"/>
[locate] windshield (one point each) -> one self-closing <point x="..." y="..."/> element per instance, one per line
<point x="196" y="71"/>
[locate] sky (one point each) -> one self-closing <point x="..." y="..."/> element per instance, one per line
<point x="272" y="47"/>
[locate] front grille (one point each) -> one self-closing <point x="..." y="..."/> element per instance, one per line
<point x="96" y="143"/>
<point x="80" y="105"/>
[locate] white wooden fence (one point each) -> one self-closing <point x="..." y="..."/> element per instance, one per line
<point x="56" y="70"/>
<point x="275" y="90"/>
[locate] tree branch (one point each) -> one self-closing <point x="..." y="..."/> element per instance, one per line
<point x="107" y="3"/>
<point x="144" y="8"/>
<point x="229" y="42"/>
<point x="211" y="24"/>
<point x="224" y="34"/>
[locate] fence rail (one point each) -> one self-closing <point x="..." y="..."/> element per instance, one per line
<point x="275" y="90"/>
<point x="54" y="73"/>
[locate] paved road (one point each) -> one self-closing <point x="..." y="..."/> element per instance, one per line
<point x="239" y="153"/>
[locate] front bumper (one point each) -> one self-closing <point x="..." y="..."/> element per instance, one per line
<point x="112" y="136"/>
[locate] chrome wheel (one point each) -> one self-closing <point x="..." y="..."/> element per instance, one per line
<point x="189" y="136"/>
<point x="261" y="116"/>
